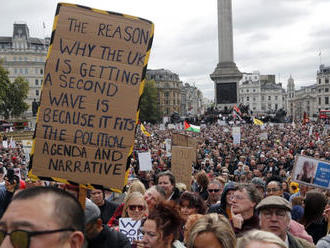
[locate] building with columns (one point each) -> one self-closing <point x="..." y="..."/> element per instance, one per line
<point x="174" y="96"/>
<point x="261" y="93"/>
<point x="309" y="99"/>
<point x="25" y="56"/>
<point x="192" y="99"/>
<point x="169" y="90"/>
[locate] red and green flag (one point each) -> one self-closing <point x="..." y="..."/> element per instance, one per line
<point x="190" y="127"/>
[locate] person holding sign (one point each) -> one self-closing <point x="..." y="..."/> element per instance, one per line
<point x="98" y="235"/>
<point x="135" y="206"/>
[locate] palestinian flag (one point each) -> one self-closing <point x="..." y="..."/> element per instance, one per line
<point x="192" y="128"/>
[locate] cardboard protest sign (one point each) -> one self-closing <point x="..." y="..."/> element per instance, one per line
<point x="94" y="78"/>
<point x="179" y="139"/>
<point x="131" y="228"/>
<point x="145" y="161"/>
<point x="183" y="140"/>
<point x="310" y="171"/>
<point x="181" y="164"/>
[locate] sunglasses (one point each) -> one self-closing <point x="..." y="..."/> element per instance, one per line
<point x="21" y="238"/>
<point x="213" y="190"/>
<point x="134" y="207"/>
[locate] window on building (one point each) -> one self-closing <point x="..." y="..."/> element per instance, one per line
<point x="276" y="106"/>
<point x="21" y="70"/>
<point x="319" y="80"/>
<point x="14" y="58"/>
<point x="326" y="100"/>
<point x="269" y="98"/>
<point x="319" y="100"/>
<point x="20" y="58"/>
<point x="37" y="92"/>
<point x="262" y="98"/>
<point x="37" y="82"/>
<point x="320" y="90"/>
<point x="276" y="97"/>
<point x="166" y="94"/>
<point x="41" y="71"/>
<point x="26" y="71"/>
<point x="247" y="90"/>
<point x="254" y="99"/>
<point x="15" y="71"/>
<point x="327" y="80"/>
<point x="326" y="90"/>
<point x="247" y="98"/>
<point x="254" y="90"/>
<point x="25" y="58"/>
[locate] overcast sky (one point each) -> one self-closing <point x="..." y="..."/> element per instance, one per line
<point x="281" y="37"/>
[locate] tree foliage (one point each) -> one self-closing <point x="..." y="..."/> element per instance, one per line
<point x="149" y="106"/>
<point x="12" y="95"/>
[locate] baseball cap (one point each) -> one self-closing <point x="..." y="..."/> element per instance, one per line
<point x="92" y="211"/>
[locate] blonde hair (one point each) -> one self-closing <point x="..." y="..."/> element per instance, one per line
<point x="136" y="186"/>
<point x="260" y="236"/>
<point x="216" y="224"/>
<point x="131" y="196"/>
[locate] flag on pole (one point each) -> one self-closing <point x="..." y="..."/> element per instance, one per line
<point x="144" y="130"/>
<point x="237" y="113"/>
<point x="257" y="121"/>
<point x="192" y="128"/>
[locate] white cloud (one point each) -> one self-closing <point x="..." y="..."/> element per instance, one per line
<point x="279" y="37"/>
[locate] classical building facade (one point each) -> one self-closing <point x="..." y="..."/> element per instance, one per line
<point x="192" y="99"/>
<point x="174" y="96"/>
<point x="169" y="90"/>
<point x="25" y="56"/>
<point x="261" y="93"/>
<point x="309" y="99"/>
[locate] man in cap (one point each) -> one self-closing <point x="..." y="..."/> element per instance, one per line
<point x="99" y="235"/>
<point x="275" y="216"/>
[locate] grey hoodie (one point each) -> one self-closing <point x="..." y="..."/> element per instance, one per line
<point x="324" y="242"/>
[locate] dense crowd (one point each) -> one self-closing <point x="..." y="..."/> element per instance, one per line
<point x="241" y="195"/>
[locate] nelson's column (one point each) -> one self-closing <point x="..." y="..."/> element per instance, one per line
<point x="226" y="75"/>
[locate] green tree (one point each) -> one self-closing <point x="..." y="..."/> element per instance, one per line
<point x="149" y="106"/>
<point x="12" y="95"/>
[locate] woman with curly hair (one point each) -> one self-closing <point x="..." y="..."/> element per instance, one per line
<point x="161" y="228"/>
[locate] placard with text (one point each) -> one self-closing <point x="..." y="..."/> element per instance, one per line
<point x="94" y="77"/>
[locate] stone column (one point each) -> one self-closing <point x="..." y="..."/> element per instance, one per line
<point x="225" y="31"/>
<point x="226" y="75"/>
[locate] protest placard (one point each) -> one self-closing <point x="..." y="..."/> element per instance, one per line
<point x="179" y="139"/>
<point x="310" y="171"/>
<point x="130" y="228"/>
<point x="145" y="161"/>
<point x="263" y="136"/>
<point x="181" y="165"/>
<point x="168" y="144"/>
<point x="236" y="132"/>
<point x="93" y="80"/>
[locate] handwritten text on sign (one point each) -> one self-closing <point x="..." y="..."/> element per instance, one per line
<point x="90" y="96"/>
<point x="131" y="228"/>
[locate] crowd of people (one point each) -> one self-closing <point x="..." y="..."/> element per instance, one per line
<point x="241" y="195"/>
